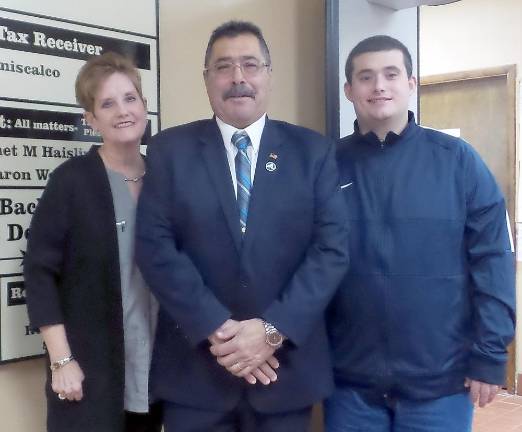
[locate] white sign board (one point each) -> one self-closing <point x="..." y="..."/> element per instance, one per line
<point x="42" y="47"/>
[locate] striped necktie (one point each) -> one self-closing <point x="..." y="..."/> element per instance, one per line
<point x="244" y="183"/>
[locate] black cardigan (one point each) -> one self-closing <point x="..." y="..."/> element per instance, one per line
<point x="72" y="276"/>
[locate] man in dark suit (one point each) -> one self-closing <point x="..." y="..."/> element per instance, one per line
<point x="241" y="236"/>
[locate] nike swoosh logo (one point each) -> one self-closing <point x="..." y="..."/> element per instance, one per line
<point x="346" y="185"/>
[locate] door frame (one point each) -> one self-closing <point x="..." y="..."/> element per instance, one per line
<point x="510" y="73"/>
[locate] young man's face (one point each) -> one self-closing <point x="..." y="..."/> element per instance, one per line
<point x="380" y="91"/>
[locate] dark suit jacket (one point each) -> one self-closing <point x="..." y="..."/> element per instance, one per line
<point x="285" y="269"/>
<point x="72" y="276"/>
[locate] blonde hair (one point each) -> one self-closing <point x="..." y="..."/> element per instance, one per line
<point x="96" y="70"/>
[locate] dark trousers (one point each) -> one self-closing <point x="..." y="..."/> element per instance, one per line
<point x="178" y="418"/>
<point x="145" y="422"/>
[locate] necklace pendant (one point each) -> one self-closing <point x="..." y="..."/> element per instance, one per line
<point x="134" y="179"/>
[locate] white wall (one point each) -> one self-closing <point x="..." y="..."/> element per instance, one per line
<point x="476" y="34"/>
<point x="470" y="34"/>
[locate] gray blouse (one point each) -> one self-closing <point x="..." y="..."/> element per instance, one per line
<point x="139" y="306"/>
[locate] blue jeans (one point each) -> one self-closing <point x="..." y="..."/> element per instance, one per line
<point x="347" y="411"/>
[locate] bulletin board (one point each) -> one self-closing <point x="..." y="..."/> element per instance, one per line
<point x="43" y="44"/>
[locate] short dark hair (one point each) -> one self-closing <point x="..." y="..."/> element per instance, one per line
<point x="375" y="44"/>
<point x="232" y="29"/>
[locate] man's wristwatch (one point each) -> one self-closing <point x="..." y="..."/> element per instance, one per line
<point x="273" y="337"/>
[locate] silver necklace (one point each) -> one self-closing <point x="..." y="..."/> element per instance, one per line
<point x="135" y="179"/>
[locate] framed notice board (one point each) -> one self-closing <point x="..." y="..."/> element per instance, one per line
<point x="43" y="44"/>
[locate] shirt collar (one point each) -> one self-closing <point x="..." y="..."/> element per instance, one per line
<point x="254" y="131"/>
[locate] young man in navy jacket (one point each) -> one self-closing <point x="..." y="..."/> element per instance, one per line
<point x="421" y="322"/>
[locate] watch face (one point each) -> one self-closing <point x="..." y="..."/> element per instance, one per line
<point x="275" y="338"/>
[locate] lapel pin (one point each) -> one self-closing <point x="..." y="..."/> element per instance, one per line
<point x="270" y="166"/>
<point x="272" y="156"/>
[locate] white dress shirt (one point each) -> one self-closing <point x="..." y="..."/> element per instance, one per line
<point x="254" y="131"/>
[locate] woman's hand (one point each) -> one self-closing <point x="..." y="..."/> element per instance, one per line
<point x="67" y="381"/>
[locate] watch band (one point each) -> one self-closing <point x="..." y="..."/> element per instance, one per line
<point x="61" y="363"/>
<point x="269" y="328"/>
<point x="274" y="338"/>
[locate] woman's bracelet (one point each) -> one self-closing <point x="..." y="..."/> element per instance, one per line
<point x="61" y="363"/>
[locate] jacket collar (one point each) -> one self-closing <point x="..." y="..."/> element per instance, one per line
<point x="266" y="181"/>
<point x="391" y="137"/>
<point x="214" y="154"/>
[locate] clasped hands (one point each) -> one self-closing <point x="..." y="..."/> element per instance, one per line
<point x="241" y="348"/>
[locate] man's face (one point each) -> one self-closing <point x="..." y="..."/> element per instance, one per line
<point x="237" y="99"/>
<point x="380" y="90"/>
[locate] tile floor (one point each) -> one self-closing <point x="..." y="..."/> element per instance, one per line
<point x="503" y="415"/>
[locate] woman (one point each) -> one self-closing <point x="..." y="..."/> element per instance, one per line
<point x="84" y="291"/>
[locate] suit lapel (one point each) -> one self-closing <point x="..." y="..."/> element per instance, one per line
<point x="215" y="157"/>
<point x="265" y="180"/>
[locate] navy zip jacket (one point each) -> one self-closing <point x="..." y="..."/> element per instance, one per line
<point x="429" y="297"/>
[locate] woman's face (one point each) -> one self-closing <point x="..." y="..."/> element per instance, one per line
<point x="119" y="113"/>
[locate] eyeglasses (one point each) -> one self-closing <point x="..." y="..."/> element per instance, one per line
<point x="249" y="68"/>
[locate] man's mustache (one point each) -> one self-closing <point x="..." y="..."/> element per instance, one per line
<point x="240" y="90"/>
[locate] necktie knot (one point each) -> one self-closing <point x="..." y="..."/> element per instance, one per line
<point x="241" y="140"/>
